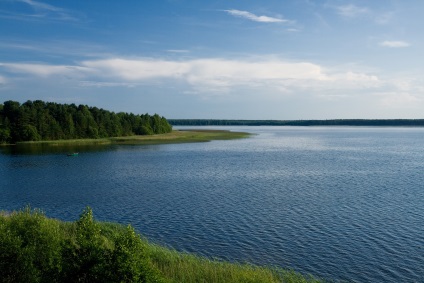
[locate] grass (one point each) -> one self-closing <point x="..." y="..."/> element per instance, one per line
<point x="35" y="248"/>
<point x="186" y="136"/>
<point x="184" y="267"/>
<point x="182" y="136"/>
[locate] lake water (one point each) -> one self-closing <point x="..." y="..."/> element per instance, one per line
<point x="337" y="202"/>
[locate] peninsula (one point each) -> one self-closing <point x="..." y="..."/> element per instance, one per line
<point x="39" y="122"/>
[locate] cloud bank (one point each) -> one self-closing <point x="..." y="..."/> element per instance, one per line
<point x="212" y="77"/>
<point x="201" y="75"/>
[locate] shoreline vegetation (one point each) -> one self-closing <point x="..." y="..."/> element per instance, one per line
<point x="176" y="136"/>
<point x="42" y="121"/>
<point x="36" y="248"/>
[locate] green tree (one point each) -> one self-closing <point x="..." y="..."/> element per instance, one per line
<point x="29" y="133"/>
<point x="38" y="120"/>
<point x="4" y="135"/>
<point x="69" y="126"/>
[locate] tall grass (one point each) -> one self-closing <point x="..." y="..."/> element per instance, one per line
<point x="34" y="248"/>
<point x="183" y="267"/>
<point x="183" y="136"/>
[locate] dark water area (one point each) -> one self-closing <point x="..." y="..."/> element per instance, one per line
<point x="43" y="149"/>
<point x="342" y="203"/>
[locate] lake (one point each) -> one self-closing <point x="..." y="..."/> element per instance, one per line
<point x="342" y="203"/>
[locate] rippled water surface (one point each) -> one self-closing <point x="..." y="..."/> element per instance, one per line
<point x="337" y="202"/>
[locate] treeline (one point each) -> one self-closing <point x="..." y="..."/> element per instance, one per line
<point x="39" y="120"/>
<point x="336" y="122"/>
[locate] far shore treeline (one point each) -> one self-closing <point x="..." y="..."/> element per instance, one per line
<point x="334" y="122"/>
<point x="38" y="120"/>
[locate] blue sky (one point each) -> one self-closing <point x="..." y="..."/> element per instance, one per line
<point x="269" y="59"/>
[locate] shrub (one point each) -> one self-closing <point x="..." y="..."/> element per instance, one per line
<point x="30" y="248"/>
<point x="37" y="249"/>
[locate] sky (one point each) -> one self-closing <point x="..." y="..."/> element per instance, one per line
<point x="240" y="59"/>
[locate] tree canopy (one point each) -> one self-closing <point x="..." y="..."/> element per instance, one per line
<point x="39" y="120"/>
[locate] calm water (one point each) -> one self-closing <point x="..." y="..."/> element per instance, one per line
<point x="340" y="203"/>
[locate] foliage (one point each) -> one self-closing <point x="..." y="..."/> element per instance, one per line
<point x="37" y="249"/>
<point x="189" y="268"/>
<point x="30" y="248"/>
<point x="39" y="120"/>
<point x="34" y="248"/>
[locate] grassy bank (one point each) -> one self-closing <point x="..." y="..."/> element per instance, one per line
<point x="35" y="248"/>
<point x="182" y="136"/>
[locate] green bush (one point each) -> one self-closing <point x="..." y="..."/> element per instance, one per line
<point x="37" y="249"/>
<point x="34" y="248"/>
<point x="30" y="248"/>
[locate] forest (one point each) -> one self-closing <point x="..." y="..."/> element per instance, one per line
<point x="38" y="120"/>
<point x="333" y="122"/>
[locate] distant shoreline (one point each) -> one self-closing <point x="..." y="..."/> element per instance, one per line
<point x="331" y="122"/>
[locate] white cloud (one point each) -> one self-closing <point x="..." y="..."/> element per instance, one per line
<point x="42" y="70"/>
<point x="41" y="6"/>
<point x="177" y="51"/>
<point x="216" y="75"/>
<point x="354" y="80"/>
<point x="2" y="80"/>
<point x="255" y="18"/>
<point x="212" y="71"/>
<point x="352" y="11"/>
<point x="42" y="11"/>
<point x="68" y="48"/>
<point x="133" y="70"/>
<point x="395" y="44"/>
<point x="203" y="75"/>
<point x="106" y="84"/>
